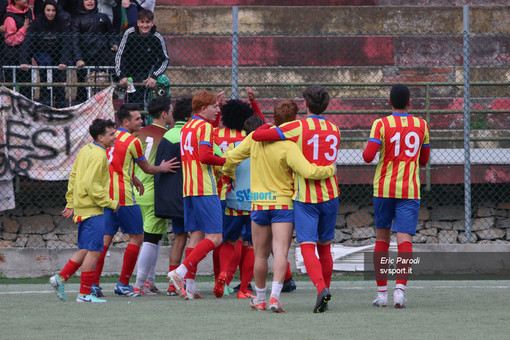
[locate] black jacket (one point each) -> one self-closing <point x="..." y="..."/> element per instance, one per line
<point x="51" y="37"/>
<point x="93" y="33"/>
<point x="168" y="201"/>
<point x="141" y="56"/>
<point x="3" y="8"/>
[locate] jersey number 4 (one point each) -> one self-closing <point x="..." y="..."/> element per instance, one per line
<point x="187" y="145"/>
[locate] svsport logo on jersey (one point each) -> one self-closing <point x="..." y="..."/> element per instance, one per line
<point x="247" y="195"/>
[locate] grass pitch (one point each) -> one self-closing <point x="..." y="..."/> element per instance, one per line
<point x="435" y="309"/>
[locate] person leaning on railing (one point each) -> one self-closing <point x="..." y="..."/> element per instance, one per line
<point x="18" y="18"/>
<point x="142" y="55"/>
<point x="93" y="42"/>
<point x="47" y="42"/>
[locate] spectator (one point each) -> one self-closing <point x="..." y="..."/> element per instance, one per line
<point x="93" y="42"/>
<point x="71" y="6"/>
<point x="106" y="7"/>
<point x="148" y="4"/>
<point x="63" y="14"/>
<point x="132" y="8"/>
<point x="3" y="8"/>
<point x="18" y="18"/>
<point x="47" y="44"/>
<point x="142" y="55"/>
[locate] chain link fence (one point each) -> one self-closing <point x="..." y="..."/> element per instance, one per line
<point x="358" y="70"/>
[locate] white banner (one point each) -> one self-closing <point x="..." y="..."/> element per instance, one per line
<point x="41" y="142"/>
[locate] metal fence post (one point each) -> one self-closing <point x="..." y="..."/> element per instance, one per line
<point x="467" y="127"/>
<point x="235" y="52"/>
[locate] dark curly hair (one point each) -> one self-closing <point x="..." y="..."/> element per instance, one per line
<point x="234" y="113"/>
<point x="182" y="109"/>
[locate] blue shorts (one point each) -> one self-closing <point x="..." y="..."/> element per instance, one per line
<point x="178" y="225"/>
<point x="129" y="219"/>
<point x="203" y="213"/>
<point x="401" y="215"/>
<point x="91" y="233"/>
<point x="247" y="232"/>
<point x="233" y="226"/>
<point x="266" y="217"/>
<point x="315" y="221"/>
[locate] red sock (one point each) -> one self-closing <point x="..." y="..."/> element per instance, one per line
<point x="234" y="262"/>
<point x="313" y="266"/>
<point x="69" y="269"/>
<point x="198" y="254"/>
<point x="381" y="251"/>
<point x="288" y="274"/>
<point x="405" y="252"/>
<point x="216" y="261"/>
<point x="172" y="268"/>
<point x="326" y="260"/>
<point x="99" y="266"/>
<point x="128" y="265"/>
<point x="226" y="254"/>
<point x="191" y="273"/>
<point x="242" y="259"/>
<point x="247" y="269"/>
<point x="86" y="282"/>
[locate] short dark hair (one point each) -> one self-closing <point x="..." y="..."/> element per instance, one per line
<point x="145" y="14"/>
<point x="158" y="105"/>
<point x="234" y="113"/>
<point x="99" y="126"/>
<point x="285" y="111"/>
<point x="124" y="112"/>
<point x="253" y="123"/>
<point x="399" y="96"/>
<point x="317" y="99"/>
<point x="182" y="109"/>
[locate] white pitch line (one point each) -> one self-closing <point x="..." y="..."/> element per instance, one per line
<point x="35" y="292"/>
<point x="334" y="287"/>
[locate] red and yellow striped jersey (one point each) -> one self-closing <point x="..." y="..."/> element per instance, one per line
<point x="223" y="137"/>
<point x="198" y="178"/>
<point x="122" y="157"/>
<point x="401" y="138"/>
<point x="233" y="212"/>
<point x="318" y="139"/>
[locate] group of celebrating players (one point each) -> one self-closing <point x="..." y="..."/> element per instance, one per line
<point x="239" y="191"/>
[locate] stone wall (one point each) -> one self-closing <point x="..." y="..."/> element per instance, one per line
<point x="440" y="224"/>
<point x="40" y="228"/>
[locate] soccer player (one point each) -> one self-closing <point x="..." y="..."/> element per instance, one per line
<point x="233" y="116"/>
<point x="154" y="228"/>
<point x="315" y="201"/>
<point x="171" y="206"/>
<point x="202" y="207"/>
<point x="403" y="142"/>
<point x="122" y="157"/>
<point x="272" y="187"/>
<point x="237" y="219"/>
<point x="87" y="195"/>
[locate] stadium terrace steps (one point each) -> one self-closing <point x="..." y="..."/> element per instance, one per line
<point x="438" y="17"/>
